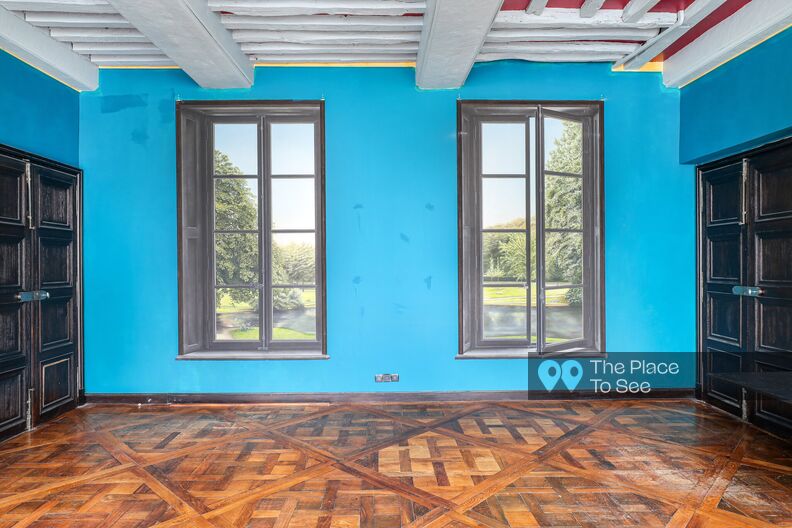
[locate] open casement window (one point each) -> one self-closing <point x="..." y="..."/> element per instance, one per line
<point x="530" y="229"/>
<point x="251" y="226"/>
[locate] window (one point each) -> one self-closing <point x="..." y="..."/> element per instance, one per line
<point x="531" y="225"/>
<point x="251" y="214"/>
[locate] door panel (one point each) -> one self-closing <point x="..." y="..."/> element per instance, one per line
<point x="14" y="277"/>
<point x="54" y="262"/>
<point x="746" y="240"/>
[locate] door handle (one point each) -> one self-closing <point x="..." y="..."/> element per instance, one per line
<point x="30" y="296"/>
<point x="747" y="291"/>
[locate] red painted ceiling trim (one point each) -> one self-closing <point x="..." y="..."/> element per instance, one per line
<point x="664" y="6"/>
<point x="716" y="17"/>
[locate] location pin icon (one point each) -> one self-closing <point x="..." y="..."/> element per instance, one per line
<point x="571" y="372"/>
<point x="549" y="372"/>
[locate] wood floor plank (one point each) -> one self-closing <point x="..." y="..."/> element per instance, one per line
<point x="672" y="463"/>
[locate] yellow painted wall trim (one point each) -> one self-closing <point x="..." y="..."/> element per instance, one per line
<point x="648" y="67"/>
<point x="732" y="58"/>
<point x="409" y="64"/>
<point x="64" y="83"/>
<point x="133" y="67"/>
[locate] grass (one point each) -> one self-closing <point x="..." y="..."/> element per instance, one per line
<point x="226" y="305"/>
<point x="516" y="296"/>
<point x="284" y="334"/>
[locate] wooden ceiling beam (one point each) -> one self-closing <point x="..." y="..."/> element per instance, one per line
<point x="636" y="9"/>
<point x="590" y="8"/>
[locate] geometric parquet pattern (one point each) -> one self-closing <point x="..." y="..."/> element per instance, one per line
<point x="586" y="464"/>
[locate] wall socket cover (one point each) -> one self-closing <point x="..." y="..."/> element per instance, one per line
<point x="385" y="378"/>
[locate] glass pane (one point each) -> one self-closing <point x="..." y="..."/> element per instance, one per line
<point x="236" y="149"/>
<point x="294" y="314"/>
<point x="236" y="203"/>
<point x="236" y="314"/>
<point x="236" y="259"/>
<point x="503" y="148"/>
<point x="503" y="203"/>
<point x="503" y="257"/>
<point x="564" y="322"/>
<point x="563" y="202"/>
<point x="563" y="258"/>
<point x="292" y="148"/>
<point x="504" y="313"/>
<point x="293" y="258"/>
<point x="293" y="203"/>
<point x="563" y="147"/>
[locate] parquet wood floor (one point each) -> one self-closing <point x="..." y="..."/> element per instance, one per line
<point x="647" y="463"/>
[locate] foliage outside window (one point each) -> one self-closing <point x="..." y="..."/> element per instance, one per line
<point x="530" y="263"/>
<point x="251" y="231"/>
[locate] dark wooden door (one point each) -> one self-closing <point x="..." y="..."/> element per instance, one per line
<point x="745" y="228"/>
<point x="55" y="317"/>
<point x="40" y="315"/>
<point x="15" y="334"/>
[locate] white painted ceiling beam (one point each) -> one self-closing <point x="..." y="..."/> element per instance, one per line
<point x="64" y="6"/>
<point x="578" y="56"/>
<point x="620" y="48"/>
<point x="324" y="23"/>
<point x="326" y="37"/>
<point x="336" y="58"/>
<point x="131" y="60"/>
<point x="535" y="7"/>
<point x="571" y="19"/>
<point x="752" y="24"/>
<point x="193" y="37"/>
<point x="97" y="35"/>
<point x="636" y="9"/>
<point x="115" y="48"/>
<point x="590" y="8"/>
<point x="317" y="7"/>
<point x="279" y="48"/>
<point x="453" y="33"/>
<point x="99" y="20"/>
<point x="688" y="18"/>
<point x="552" y="35"/>
<point x="41" y="51"/>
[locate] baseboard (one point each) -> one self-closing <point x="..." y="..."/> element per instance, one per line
<point x="382" y="397"/>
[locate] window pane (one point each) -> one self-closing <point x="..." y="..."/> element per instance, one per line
<point x="236" y="259"/>
<point x="294" y="314"/>
<point x="504" y="313"/>
<point x="293" y="258"/>
<point x="293" y="203"/>
<point x="563" y="258"/>
<point x="564" y="322"/>
<point x="563" y="145"/>
<point x="563" y="202"/>
<point x="236" y="314"/>
<point x="503" y="148"/>
<point x="503" y="203"/>
<point x="292" y="148"/>
<point x="503" y="257"/>
<point x="236" y="203"/>
<point x="236" y="149"/>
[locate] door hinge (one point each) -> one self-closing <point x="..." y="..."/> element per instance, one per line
<point x="29" y="413"/>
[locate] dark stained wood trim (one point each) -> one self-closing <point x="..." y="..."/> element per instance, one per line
<point x="600" y="152"/>
<point x="375" y="397"/>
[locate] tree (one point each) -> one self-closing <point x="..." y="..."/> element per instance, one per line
<point x="564" y="209"/>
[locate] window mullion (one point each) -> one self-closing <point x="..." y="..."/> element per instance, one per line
<point x="265" y="244"/>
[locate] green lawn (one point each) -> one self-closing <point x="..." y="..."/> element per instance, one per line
<point x="516" y="296"/>
<point x="277" y="333"/>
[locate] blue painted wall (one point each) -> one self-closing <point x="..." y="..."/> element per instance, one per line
<point x="391" y="224"/>
<point x="37" y="113"/>
<point x="741" y="105"/>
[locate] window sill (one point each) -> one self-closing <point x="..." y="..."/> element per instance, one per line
<point x="220" y="355"/>
<point x="528" y="353"/>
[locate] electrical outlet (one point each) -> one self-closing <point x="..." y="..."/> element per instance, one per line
<point x="385" y="378"/>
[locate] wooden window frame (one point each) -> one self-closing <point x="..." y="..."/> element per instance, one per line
<point x="470" y="114"/>
<point x="195" y="211"/>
